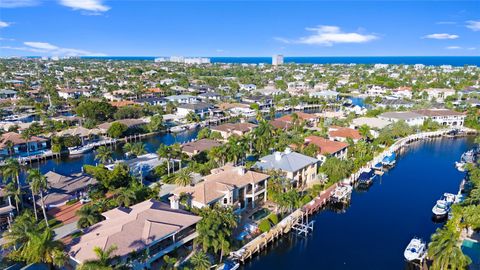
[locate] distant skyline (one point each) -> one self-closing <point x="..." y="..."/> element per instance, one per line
<point x="239" y="28"/>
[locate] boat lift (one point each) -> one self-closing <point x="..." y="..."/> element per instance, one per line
<point x="303" y="226"/>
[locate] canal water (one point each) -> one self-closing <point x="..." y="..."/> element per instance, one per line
<point x="69" y="165"/>
<point x="377" y="226"/>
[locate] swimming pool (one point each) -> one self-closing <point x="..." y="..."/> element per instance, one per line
<point x="472" y="250"/>
<point x="260" y="214"/>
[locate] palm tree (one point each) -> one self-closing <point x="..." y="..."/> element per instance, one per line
<point x="34" y="243"/>
<point x="38" y="184"/>
<point x="444" y="249"/>
<point x="139" y="149"/>
<point x="103" y="260"/>
<point x="125" y="197"/>
<point x="11" y="170"/>
<point x="88" y="215"/>
<point x="200" y="261"/>
<point x="164" y="151"/>
<point x="13" y="192"/>
<point x="104" y="154"/>
<point x="27" y="135"/>
<point x="41" y="248"/>
<point x="32" y="188"/>
<point x="183" y="178"/>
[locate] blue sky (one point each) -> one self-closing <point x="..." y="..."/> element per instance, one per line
<point x="239" y="28"/>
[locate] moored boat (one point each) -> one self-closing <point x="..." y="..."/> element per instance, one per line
<point x="76" y="151"/>
<point x="389" y="160"/>
<point x="415" y="250"/>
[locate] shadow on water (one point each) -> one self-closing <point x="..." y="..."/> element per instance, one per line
<point x="373" y="231"/>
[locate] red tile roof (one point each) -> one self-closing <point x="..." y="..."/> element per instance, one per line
<point x="344" y="132"/>
<point x="326" y="146"/>
<point x="301" y="115"/>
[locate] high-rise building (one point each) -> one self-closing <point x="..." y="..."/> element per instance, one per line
<point x="277" y="60"/>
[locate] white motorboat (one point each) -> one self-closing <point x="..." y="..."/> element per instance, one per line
<point x="177" y="129"/>
<point x="415" y="250"/>
<point x="442" y="207"/>
<point x="76" y="151"/>
<point x="460" y="166"/>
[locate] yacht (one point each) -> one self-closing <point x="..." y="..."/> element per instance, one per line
<point x="415" y="250"/>
<point x="80" y="150"/>
<point x="460" y="165"/>
<point x="177" y="129"/>
<point x="389" y="160"/>
<point x="442" y="207"/>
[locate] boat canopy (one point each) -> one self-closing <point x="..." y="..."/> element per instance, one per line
<point x="390" y="158"/>
<point x="365" y="176"/>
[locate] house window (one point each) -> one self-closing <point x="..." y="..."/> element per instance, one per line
<point x="225" y="200"/>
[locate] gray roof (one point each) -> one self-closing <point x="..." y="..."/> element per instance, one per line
<point x="285" y="161"/>
<point x="401" y="115"/>
<point x="196" y="106"/>
<point x="7" y="92"/>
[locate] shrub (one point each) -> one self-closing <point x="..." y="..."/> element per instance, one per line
<point x="264" y="225"/>
<point x="273" y="218"/>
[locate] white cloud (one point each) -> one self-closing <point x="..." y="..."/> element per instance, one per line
<point x="453" y="47"/>
<point x="441" y="36"/>
<point x="49" y="49"/>
<point x="41" y="45"/>
<point x="474" y="25"/>
<point x="471" y="48"/>
<point x="89" y="5"/>
<point x="328" y="35"/>
<point x="4" y="24"/>
<point x="18" y="3"/>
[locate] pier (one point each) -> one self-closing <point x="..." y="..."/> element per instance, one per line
<point x="298" y="220"/>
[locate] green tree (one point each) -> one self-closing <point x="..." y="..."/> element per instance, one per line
<point x="11" y="171"/>
<point x="95" y="110"/>
<point x="103" y="261"/>
<point x="116" y="130"/>
<point x="33" y="243"/>
<point x="104" y="154"/>
<point x="444" y="249"/>
<point x="136" y="149"/>
<point x="200" y="261"/>
<point x="215" y="229"/>
<point x="88" y="216"/>
<point x="155" y="124"/>
<point x="183" y="178"/>
<point x="38" y="184"/>
<point x="125" y="196"/>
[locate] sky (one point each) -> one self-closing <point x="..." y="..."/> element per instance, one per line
<point x="239" y="28"/>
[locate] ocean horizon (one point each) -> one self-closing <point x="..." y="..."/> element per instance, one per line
<point x="367" y="60"/>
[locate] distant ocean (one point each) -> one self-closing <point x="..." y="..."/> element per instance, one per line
<point x="406" y="60"/>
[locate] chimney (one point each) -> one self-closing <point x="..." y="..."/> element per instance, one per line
<point x="174" y="202"/>
<point x="288" y="150"/>
<point x="241" y="170"/>
<point x="278" y="156"/>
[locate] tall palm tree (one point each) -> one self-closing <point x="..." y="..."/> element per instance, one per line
<point x="38" y="184"/>
<point x="104" y="154"/>
<point x="88" y="215"/>
<point x="200" y="261"/>
<point x="34" y="243"/>
<point x="13" y="192"/>
<point x="139" y="149"/>
<point x="125" y="197"/>
<point x="164" y="151"/>
<point x="27" y="135"/>
<point x="42" y="248"/>
<point x="11" y="170"/>
<point x="183" y="178"/>
<point x="32" y="188"/>
<point x="103" y="261"/>
<point x="444" y="249"/>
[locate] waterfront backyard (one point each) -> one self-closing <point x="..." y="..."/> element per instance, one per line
<point x="377" y="226"/>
